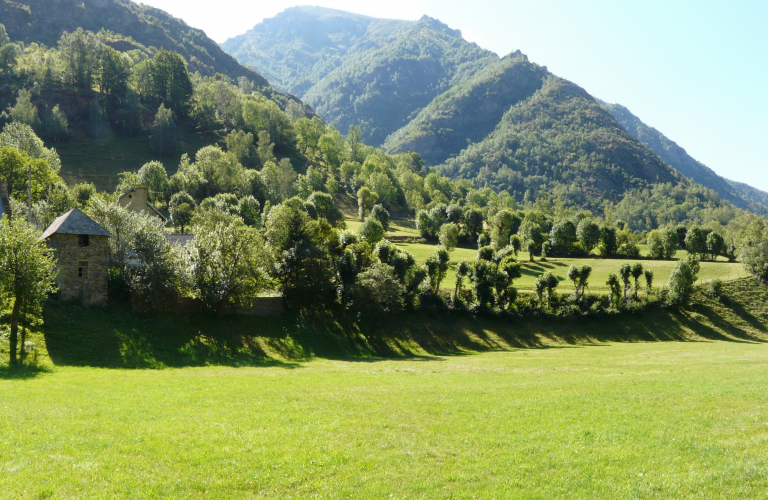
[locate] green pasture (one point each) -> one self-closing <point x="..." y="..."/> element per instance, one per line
<point x="100" y="158"/>
<point x="470" y="408"/>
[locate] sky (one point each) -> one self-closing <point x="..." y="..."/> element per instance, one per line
<point x="695" y="70"/>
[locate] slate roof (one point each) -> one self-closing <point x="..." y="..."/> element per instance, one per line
<point x="74" y="222"/>
<point x="180" y="240"/>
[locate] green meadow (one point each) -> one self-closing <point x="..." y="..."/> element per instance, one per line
<point x="402" y="230"/>
<point x="665" y="405"/>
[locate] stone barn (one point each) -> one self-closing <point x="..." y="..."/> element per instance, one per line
<point x="81" y="248"/>
<point x="137" y="200"/>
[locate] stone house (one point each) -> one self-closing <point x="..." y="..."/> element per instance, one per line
<point x="137" y="200"/>
<point x="81" y="248"/>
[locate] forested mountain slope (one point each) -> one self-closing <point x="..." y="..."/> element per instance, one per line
<point x="560" y="141"/>
<point x="355" y="70"/>
<point x="134" y="25"/>
<point x="469" y="111"/>
<point x="677" y="157"/>
<point x="297" y="48"/>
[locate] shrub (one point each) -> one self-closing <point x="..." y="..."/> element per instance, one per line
<point x="681" y="281"/>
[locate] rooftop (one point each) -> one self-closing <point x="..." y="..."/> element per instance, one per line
<point x="75" y="222"/>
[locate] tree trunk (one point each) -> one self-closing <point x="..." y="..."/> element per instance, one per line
<point x="15" y="329"/>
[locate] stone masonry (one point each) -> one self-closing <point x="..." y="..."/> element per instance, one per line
<point x="83" y="271"/>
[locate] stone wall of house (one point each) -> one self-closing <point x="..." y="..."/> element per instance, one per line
<point x="93" y="287"/>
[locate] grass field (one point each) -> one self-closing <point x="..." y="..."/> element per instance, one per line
<point x="601" y="268"/>
<point x="99" y="160"/>
<point x="463" y="408"/>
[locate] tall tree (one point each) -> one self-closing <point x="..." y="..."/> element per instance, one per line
<point x="79" y="53"/>
<point x="26" y="271"/>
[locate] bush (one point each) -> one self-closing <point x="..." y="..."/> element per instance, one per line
<point x="681" y="281"/>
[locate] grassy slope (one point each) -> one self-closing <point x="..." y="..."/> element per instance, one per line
<point x="568" y="410"/>
<point x="99" y="159"/>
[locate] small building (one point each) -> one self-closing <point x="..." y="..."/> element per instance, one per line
<point x="5" y="202"/>
<point x="180" y="240"/>
<point x="137" y="200"/>
<point x="81" y="248"/>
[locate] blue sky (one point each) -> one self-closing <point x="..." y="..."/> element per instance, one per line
<point x="695" y="70"/>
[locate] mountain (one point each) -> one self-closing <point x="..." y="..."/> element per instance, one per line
<point x="560" y="141"/>
<point x="741" y="195"/>
<point x="134" y="25"/>
<point x="300" y="46"/>
<point x="355" y="70"/>
<point x="470" y="111"/>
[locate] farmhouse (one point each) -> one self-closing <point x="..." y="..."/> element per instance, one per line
<point x="137" y="200"/>
<point x="81" y="248"/>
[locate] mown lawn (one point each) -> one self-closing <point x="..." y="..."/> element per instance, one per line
<point x="548" y="409"/>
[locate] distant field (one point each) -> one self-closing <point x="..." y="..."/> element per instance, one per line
<point x="601" y="268"/>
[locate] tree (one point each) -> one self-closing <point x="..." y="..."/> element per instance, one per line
<point x="23" y="138"/>
<point x="437" y="266"/>
<point x="227" y="259"/>
<point x="615" y="286"/>
<point x="588" y="234"/>
<point x="682" y="280"/>
<point x="579" y="275"/>
<point x="625" y="271"/>
<point x="24" y="111"/>
<point x="157" y="271"/>
<point x="648" y="281"/>
<point x="462" y="270"/>
<point x="280" y="180"/>
<point x="164" y="132"/>
<point x="695" y="242"/>
<point x="17" y="169"/>
<point x="240" y="144"/>
<point x="608" y="244"/>
<point x="449" y="236"/>
<point x="637" y="273"/>
<point x="715" y="245"/>
<point x="4" y="38"/>
<point x="327" y="209"/>
<point x="381" y="214"/>
<point x="79" y="54"/>
<point x="503" y="225"/>
<point x="249" y="210"/>
<point x="562" y="238"/>
<point x="372" y="231"/>
<point x="170" y="80"/>
<point x="182" y="208"/>
<point x="114" y="74"/>
<point x="303" y="267"/>
<point x="378" y="291"/>
<point x="473" y="220"/>
<point x="365" y="200"/>
<point x="9" y="56"/>
<point x="26" y="271"/>
<point x="531" y="234"/>
<point x="547" y="282"/>
<point x="57" y="125"/>
<point x="153" y="176"/>
<point x="754" y="249"/>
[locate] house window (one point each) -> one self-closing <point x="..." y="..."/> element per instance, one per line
<point x="82" y="269"/>
<point x="130" y="196"/>
<point x="83" y="240"/>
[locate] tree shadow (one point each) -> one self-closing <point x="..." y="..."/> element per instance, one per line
<point x="22" y="372"/>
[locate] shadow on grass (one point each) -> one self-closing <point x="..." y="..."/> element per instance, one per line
<point x="22" y="372"/>
<point x="116" y="338"/>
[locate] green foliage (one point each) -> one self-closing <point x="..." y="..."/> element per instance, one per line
<point x="227" y="261"/>
<point x="372" y="231"/>
<point x="696" y="242"/>
<point x="588" y="234"/>
<point x="157" y="271"/>
<point x="365" y="201"/>
<point x="378" y="291"/>
<point x="182" y="207"/>
<point x="754" y="249"/>
<point x="24" y="111"/>
<point x="28" y="270"/>
<point x="154" y="177"/>
<point x="381" y="214"/>
<point x="164" y="132"/>
<point x="79" y="52"/>
<point x="18" y="170"/>
<point x="449" y="236"/>
<point x="681" y="281"/>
